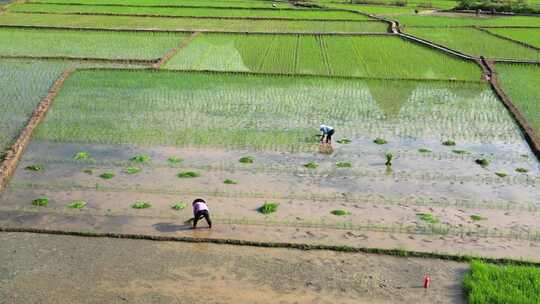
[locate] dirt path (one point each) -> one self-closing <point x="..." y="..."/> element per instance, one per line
<point x="63" y="269"/>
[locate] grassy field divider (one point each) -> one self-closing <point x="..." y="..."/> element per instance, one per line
<point x="14" y="153"/>
<point x="507" y="38"/>
<point x="185" y="42"/>
<point x="144" y="62"/>
<point x="532" y="137"/>
<point x="298" y="246"/>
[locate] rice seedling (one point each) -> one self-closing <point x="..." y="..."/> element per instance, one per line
<point x="380" y="141"/>
<point x="482" y="162"/>
<point x="428" y="217"/>
<point x="87" y="44"/>
<point x="81" y="156"/>
<point x="174" y="160"/>
<point x="268" y="207"/>
<point x="173" y="3"/>
<point x="88" y="171"/>
<point x="178" y="206"/>
<point x="502" y="284"/>
<point x="35" y="168"/>
<point x="522" y="170"/>
<point x="389" y="157"/>
<point x="501" y="174"/>
<point x="141" y="205"/>
<point x="42" y="201"/>
<point x="343" y="141"/>
<point x="340" y="212"/>
<point x="449" y="143"/>
<point x="424" y="150"/>
<point x="188" y="174"/>
<point x="192" y="24"/>
<point x="460" y="20"/>
<point x="476" y="218"/>
<point x="247" y="160"/>
<point x="77" y="205"/>
<point x="229" y="181"/>
<point x="461" y="152"/>
<point x="107" y="175"/>
<point x="344" y="165"/>
<point x="311" y="165"/>
<point x="132" y="170"/>
<point x="526" y="35"/>
<point x="141" y="159"/>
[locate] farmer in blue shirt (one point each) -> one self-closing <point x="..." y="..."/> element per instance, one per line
<point x="327" y="133"/>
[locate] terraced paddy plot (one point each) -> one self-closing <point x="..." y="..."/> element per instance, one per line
<point x="367" y="56"/>
<point x="23" y="83"/>
<point x="190" y="24"/>
<point x="173" y="3"/>
<point x="465" y="20"/>
<point x="528" y="36"/>
<point x="522" y="84"/>
<point x="189" y="12"/>
<point x="87" y="44"/>
<point x="476" y="43"/>
<point x="276" y="113"/>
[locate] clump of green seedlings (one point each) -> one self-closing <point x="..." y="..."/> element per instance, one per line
<point x="476" y="218"/>
<point x="178" y="206"/>
<point x="107" y="175"/>
<point x="343" y="165"/>
<point x="188" y="174"/>
<point x="247" y="160"/>
<point x="424" y="150"/>
<point x="522" y="170"/>
<point x="173" y="160"/>
<point x="77" y="205"/>
<point x="141" y="205"/>
<point x="344" y="141"/>
<point x="380" y="141"/>
<point x="311" y="165"/>
<point x="268" y="207"/>
<point x="449" y="143"/>
<point x="340" y="212"/>
<point x="229" y="181"/>
<point x="141" y="159"/>
<point x="461" y="152"/>
<point x="428" y="217"/>
<point x="482" y="162"/>
<point x="35" y="168"/>
<point x="389" y="157"/>
<point x="88" y="171"/>
<point x="132" y="170"/>
<point x="501" y="174"/>
<point x="81" y="156"/>
<point x="41" y="201"/>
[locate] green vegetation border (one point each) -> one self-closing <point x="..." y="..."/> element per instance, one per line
<point x="299" y="246"/>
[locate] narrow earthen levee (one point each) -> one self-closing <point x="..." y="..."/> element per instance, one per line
<point x="170" y="54"/>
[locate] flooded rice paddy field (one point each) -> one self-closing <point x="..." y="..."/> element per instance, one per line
<point x="440" y="192"/>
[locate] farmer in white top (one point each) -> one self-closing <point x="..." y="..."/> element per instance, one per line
<point x="327" y="133"/>
<point x="200" y="210"/>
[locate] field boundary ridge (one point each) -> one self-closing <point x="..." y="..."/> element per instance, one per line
<point x="170" y="54"/>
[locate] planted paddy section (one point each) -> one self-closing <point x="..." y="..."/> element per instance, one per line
<point x="190" y="24"/>
<point x="248" y="141"/>
<point x="174" y="3"/>
<point x="361" y="56"/>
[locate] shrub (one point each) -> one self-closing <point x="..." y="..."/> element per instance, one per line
<point x="81" y="156"/>
<point x="229" y="181"/>
<point x="380" y="141"/>
<point x="42" y="201"/>
<point x="141" y="205"/>
<point x="427" y="217"/>
<point x="178" y="206"/>
<point x="77" y="205"/>
<point x="107" y="175"/>
<point x="311" y="165"/>
<point x="340" y="212"/>
<point x="188" y="174"/>
<point x="247" y="160"/>
<point x="268" y="207"/>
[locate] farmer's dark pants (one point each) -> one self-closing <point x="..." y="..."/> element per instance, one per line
<point x="329" y="136"/>
<point x="199" y="215"/>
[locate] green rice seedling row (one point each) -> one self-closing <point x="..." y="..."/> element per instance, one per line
<point x="362" y="56"/>
<point x="460" y="20"/>
<point x="476" y="43"/>
<point x="275" y="113"/>
<point x="171" y="3"/>
<point x="188" y="12"/>
<point x="522" y="84"/>
<point x="87" y="44"/>
<point x="190" y="24"/>
<point x="528" y="36"/>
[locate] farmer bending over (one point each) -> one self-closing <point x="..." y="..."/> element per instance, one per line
<point x="200" y="210"/>
<point x="327" y="132"/>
